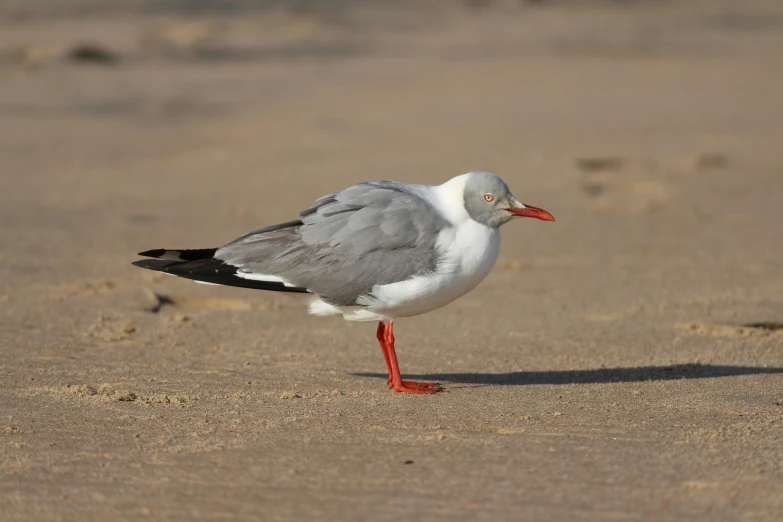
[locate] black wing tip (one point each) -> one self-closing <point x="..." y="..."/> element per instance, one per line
<point x="151" y="264"/>
<point x="193" y="254"/>
<point x="156" y="252"/>
<point x="213" y="271"/>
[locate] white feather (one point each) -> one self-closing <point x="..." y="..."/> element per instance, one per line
<point x="264" y="277"/>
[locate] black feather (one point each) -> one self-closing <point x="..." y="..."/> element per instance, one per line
<point x="181" y="255"/>
<point x="157" y="252"/>
<point x="212" y="271"/>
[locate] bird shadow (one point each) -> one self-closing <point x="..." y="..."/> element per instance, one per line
<point x="594" y="376"/>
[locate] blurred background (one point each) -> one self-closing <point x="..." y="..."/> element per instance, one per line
<point x="246" y="111"/>
<point x="616" y="351"/>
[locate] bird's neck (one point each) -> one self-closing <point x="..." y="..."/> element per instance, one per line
<point x="449" y="198"/>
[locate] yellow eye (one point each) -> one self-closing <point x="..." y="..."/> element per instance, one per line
<point x="489" y="198"/>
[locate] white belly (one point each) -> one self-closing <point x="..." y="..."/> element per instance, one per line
<point x="469" y="253"/>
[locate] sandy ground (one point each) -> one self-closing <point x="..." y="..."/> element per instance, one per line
<point x="623" y="363"/>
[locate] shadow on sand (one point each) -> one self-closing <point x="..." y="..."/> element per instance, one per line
<point x="602" y="375"/>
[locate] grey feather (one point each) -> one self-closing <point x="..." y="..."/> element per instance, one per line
<point x="369" y="234"/>
<point x="480" y="184"/>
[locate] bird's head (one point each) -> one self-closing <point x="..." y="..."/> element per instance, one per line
<point x="489" y="201"/>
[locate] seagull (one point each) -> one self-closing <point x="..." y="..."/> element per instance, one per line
<point x="376" y="251"/>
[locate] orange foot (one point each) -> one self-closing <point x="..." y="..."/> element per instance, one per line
<point x="416" y="387"/>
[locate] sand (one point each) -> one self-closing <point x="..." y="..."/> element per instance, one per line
<point x="622" y="363"/>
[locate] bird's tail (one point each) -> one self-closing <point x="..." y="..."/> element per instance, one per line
<point x="200" y="266"/>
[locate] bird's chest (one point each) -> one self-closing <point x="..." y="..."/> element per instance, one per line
<point x="470" y="255"/>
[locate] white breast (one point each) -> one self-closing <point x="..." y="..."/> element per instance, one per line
<point x="471" y="254"/>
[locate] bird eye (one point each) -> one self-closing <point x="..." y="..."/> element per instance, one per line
<point x="489" y="198"/>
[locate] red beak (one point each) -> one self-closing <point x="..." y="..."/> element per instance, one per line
<point x="533" y="212"/>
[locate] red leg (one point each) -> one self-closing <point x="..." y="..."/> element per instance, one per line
<point x="380" y="334"/>
<point x="396" y="379"/>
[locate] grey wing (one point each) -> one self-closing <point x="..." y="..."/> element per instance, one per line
<point x="369" y="234"/>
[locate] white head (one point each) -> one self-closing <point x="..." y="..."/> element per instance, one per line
<point x="488" y="201"/>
